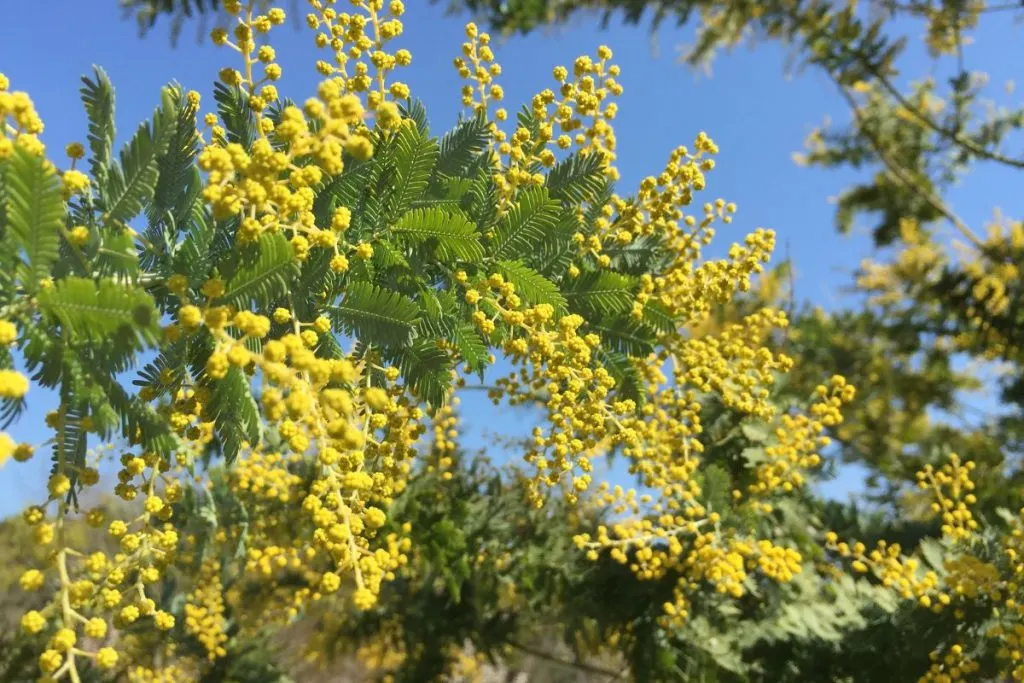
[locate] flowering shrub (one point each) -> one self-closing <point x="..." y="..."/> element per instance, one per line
<point x="302" y="287"/>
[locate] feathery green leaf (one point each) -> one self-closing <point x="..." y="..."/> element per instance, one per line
<point x="377" y="316"/>
<point x="531" y="286"/>
<point x="35" y="214"/>
<point x="461" y="145"/>
<point x="415" y="155"/>
<point x="526" y="224"/>
<point x="451" y="231"/>
<point x="98" y="99"/>
<point x="577" y="179"/>
<point x="266" y="279"/>
<point x="97" y="311"/>
<point x="236" y="415"/>
<point x="602" y="292"/>
<point x="130" y="185"/>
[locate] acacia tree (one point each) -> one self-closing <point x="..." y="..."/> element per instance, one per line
<point x="941" y="287"/>
<point x="931" y="297"/>
<point x="248" y="253"/>
<point x="300" y="288"/>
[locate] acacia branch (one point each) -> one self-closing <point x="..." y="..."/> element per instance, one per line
<point x="540" y="654"/>
<point x="901" y="175"/>
<point x="951" y="135"/>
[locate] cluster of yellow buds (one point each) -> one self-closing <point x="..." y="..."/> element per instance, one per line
<point x="951" y="487"/>
<point x="20" y="124"/>
<point x="96" y="590"/>
<point x="735" y="365"/>
<point x="555" y="359"/>
<point x="799" y="438"/>
<point x="445" y="423"/>
<point x="954" y="665"/>
<point x="895" y="570"/>
<point x="577" y="117"/>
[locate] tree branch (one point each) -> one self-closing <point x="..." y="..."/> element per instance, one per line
<point x="540" y="654"/>
<point x="901" y="175"/>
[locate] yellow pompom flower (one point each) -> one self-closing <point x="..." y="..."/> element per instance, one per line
<point x="58" y="485"/>
<point x="96" y="628"/>
<point x="63" y="640"/>
<point x="8" y="333"/>
<point x="13" y="385"/>
<point x="50" y="661"/>
<point x="75" y="182"/>
<point x="32" y="580"/>
<point x="106" y="658"/>
<point x="32" y="622"/>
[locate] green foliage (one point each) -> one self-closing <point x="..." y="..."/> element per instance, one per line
<point x="450" y="233"/>
<point x="602" y="292"/>
<point x="95" y="311"/>
<point x="131" y="184"/>
<point x="533" y="287"/>
<point x="33" y="216"/>
<point x="577" y="180"/>
<point x="265" y="276"/>
<point x="98" y="99"/>
<point x="378" y="316"/>
<point x="236" y="416"/>
<point x="526" y="225"/>
<point x="415" y="156"/>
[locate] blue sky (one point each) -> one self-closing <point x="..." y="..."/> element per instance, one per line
<point x="757" y="116"/>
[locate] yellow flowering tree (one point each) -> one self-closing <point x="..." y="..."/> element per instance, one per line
<point x="300" y="288"/>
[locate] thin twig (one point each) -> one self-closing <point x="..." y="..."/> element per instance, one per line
<point x="950" y="135"/>
<point x="540" y="654"/>
<point x="901" y="175"/>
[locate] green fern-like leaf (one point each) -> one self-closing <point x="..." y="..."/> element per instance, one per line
<point x="576" y="180"/>
<point x="627" y="336"/>
<point x="461" y="145"/>
<point x="525" y="225"/>
<point x="642" y="255"/>
<point x="236" y="416"/>
<point x="116" y="256"/>
<point x="344" y="190"/>
<point x="130" y="185"/>
<point x="377" y="316"/>
<point x="98" y="99"/>
<point x="417" y="113"/>
<point x="387" y="255"/>
<point x="414" y="157"/>
<point x="531" y="286"/>
<point x="70" y="445"/>
<point x="266" y="279"/>
<point x="427" y="369"/>
<point x="659" y="317"/>
<point x="98" y="311"/>
<point x="196" y="252"/>
<point x="237" y="116"/>
<point x="174" y="171"/>
<point x="35" y="214"/>
<point x="602" y="292"/>
<point x="472" y="349"/>
<point x="482" y="197"/>
<point x="451" y="231"/>
<point x="554" y="255"/>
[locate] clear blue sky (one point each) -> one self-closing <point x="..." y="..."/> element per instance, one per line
<point x="757" y="116"/>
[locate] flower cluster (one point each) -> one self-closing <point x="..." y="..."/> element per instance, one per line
<point x="800" y="437"/>
<point x="321" y="442"/>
